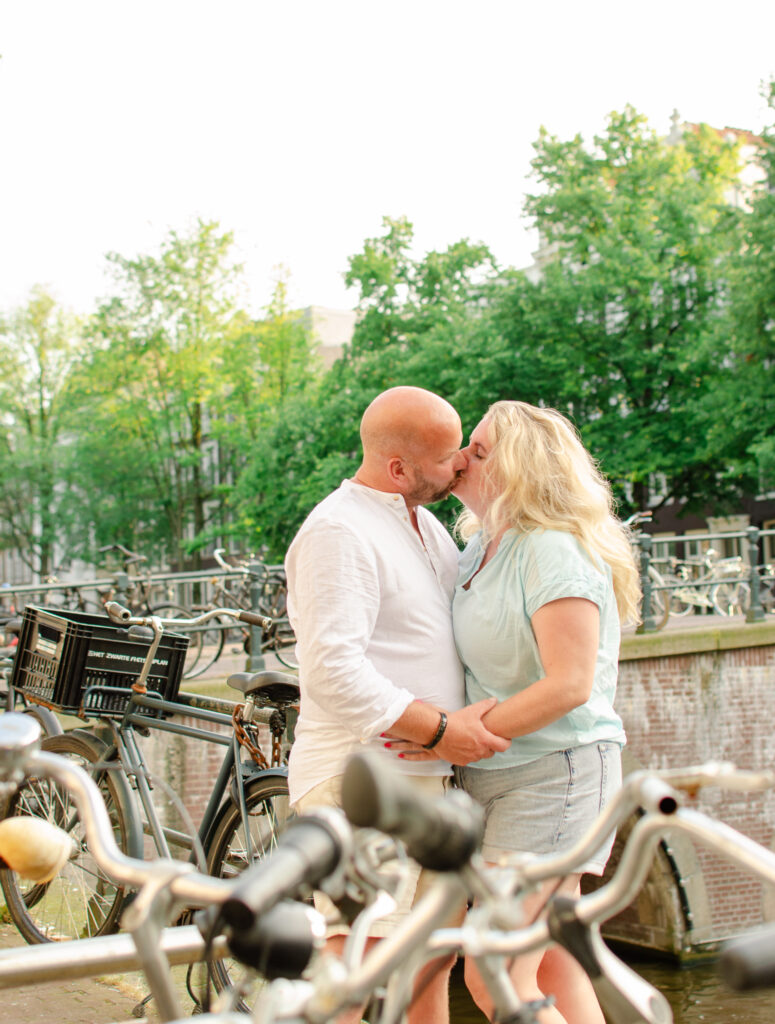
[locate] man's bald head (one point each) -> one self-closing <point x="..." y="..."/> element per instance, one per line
<point x="402" y="420"/>
<point x="411" y="445"/>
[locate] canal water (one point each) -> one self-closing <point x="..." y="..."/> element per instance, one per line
<point x="696" y="995"/>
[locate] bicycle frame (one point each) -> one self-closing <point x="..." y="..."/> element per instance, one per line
<point x="127" y="752"/>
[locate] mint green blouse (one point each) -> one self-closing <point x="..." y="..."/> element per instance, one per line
<point x="495" y="639"/>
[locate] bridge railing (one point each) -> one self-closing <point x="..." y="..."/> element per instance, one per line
<point x="186" y="589"/>
<point x="748" y="566"/>
<point x="198" y="588"/>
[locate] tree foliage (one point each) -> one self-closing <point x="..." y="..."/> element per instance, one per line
<point x="174" y="419"/>
<point x="748" y="386"/>
<point x="631" y="296"/>
<point x="145" y="458"/>
<point x="39" y="344"/>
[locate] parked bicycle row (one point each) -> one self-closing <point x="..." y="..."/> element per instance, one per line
<point x="260" y="921"/>
<point x="247" y="584"/>
<point x="705" y="583"/>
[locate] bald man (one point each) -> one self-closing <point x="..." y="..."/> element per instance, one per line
<point x="371" y="575"/>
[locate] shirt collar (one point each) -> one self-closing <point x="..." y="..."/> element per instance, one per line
<point x="391" y="499"/>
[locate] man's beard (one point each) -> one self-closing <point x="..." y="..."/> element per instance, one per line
<point x="425" y="492"/>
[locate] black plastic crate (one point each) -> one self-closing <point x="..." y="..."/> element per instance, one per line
<point x="62" y="654"/>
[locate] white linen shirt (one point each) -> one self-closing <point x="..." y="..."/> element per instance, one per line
<point x="370" y="604"/>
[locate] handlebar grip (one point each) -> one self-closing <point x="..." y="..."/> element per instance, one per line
<point x="117" y="611"/>
<point x="440" y="834"/>
<point x="306" y="853"/>
<point x="749" y="962"/>
<point x="253" y="619"/>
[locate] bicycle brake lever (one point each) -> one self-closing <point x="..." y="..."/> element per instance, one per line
<point x="623" y="994"/>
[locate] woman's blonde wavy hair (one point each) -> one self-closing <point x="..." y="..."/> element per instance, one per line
<point x="543" y="478"/>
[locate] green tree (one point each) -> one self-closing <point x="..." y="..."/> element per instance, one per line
<point x="145" y="458"/>
<point x="750" y="338"/>
<point x="273" y="373"/>
<point x="623" y="325"/>
<point x="412" y="315"/>
<point x="40" y="344"/>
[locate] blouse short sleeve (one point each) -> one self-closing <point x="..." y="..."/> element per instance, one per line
<point x="554" y="565"/>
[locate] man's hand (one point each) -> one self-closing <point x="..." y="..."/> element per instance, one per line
<point x="465" y="739"/>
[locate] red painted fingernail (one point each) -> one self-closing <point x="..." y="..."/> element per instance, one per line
<point x="388" y="745"/>
<point x="400" y="755"/>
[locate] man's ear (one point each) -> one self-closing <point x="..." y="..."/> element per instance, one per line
<point x="396" y="471"/>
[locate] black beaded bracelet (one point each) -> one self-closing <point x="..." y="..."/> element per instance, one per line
<point x="439" y="733"/>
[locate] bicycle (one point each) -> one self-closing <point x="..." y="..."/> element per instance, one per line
<point x="261" y="588"/>
<point x="14" y="700"/>
<point x="143" y="595"/>
<point x="319" y="851"/>
<point x="248" y="805"/>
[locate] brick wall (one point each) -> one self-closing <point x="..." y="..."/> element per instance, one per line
<point x="702" y="695"/>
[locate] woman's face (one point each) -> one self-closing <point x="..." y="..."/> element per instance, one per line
<point x="472" y="488"/>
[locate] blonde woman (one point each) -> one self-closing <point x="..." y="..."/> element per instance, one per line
<point x="543" y="584"/>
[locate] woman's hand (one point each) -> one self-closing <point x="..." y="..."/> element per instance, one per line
<point x="410" y="751"/>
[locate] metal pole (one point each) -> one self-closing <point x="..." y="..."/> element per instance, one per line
<point x="649" y="623"/>
<point x="755" y="611"/>
<point x="256" y="661"/>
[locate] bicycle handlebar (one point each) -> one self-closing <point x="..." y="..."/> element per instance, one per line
<point x="124" y="617"/>
<point x="310" y="849"/>
<point x="440" y="835"/>
<point x="21" y="756"/>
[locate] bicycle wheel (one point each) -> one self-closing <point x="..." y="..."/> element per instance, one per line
<point x="227" y="854"/>
<point x="679" y="606"/>
<point x="732" y="598"/>
<point x="195" y="651"/>
<point x="46" y="719"/>
<point x="81" y="902"/>
<point x="285" y="649"/>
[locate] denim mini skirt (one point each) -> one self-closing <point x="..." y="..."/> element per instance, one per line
<point x="547" y="805"/>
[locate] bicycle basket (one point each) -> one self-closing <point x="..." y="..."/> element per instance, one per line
<point x="64" y="655"/>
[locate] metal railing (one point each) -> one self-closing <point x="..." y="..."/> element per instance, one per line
<point x="188" y="590"/>
<point x="196" y="589"/>
<point x="752" y="570"/>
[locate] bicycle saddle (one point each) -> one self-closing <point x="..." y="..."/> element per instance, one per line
<point x="274" y="687"/>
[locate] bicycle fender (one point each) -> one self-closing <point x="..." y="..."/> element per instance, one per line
<point x="249" y="774"/>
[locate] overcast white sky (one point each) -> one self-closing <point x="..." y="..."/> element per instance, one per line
<point x="299" y="124"/>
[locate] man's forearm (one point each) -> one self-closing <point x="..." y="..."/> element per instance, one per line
<point x="419" y="723"/>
